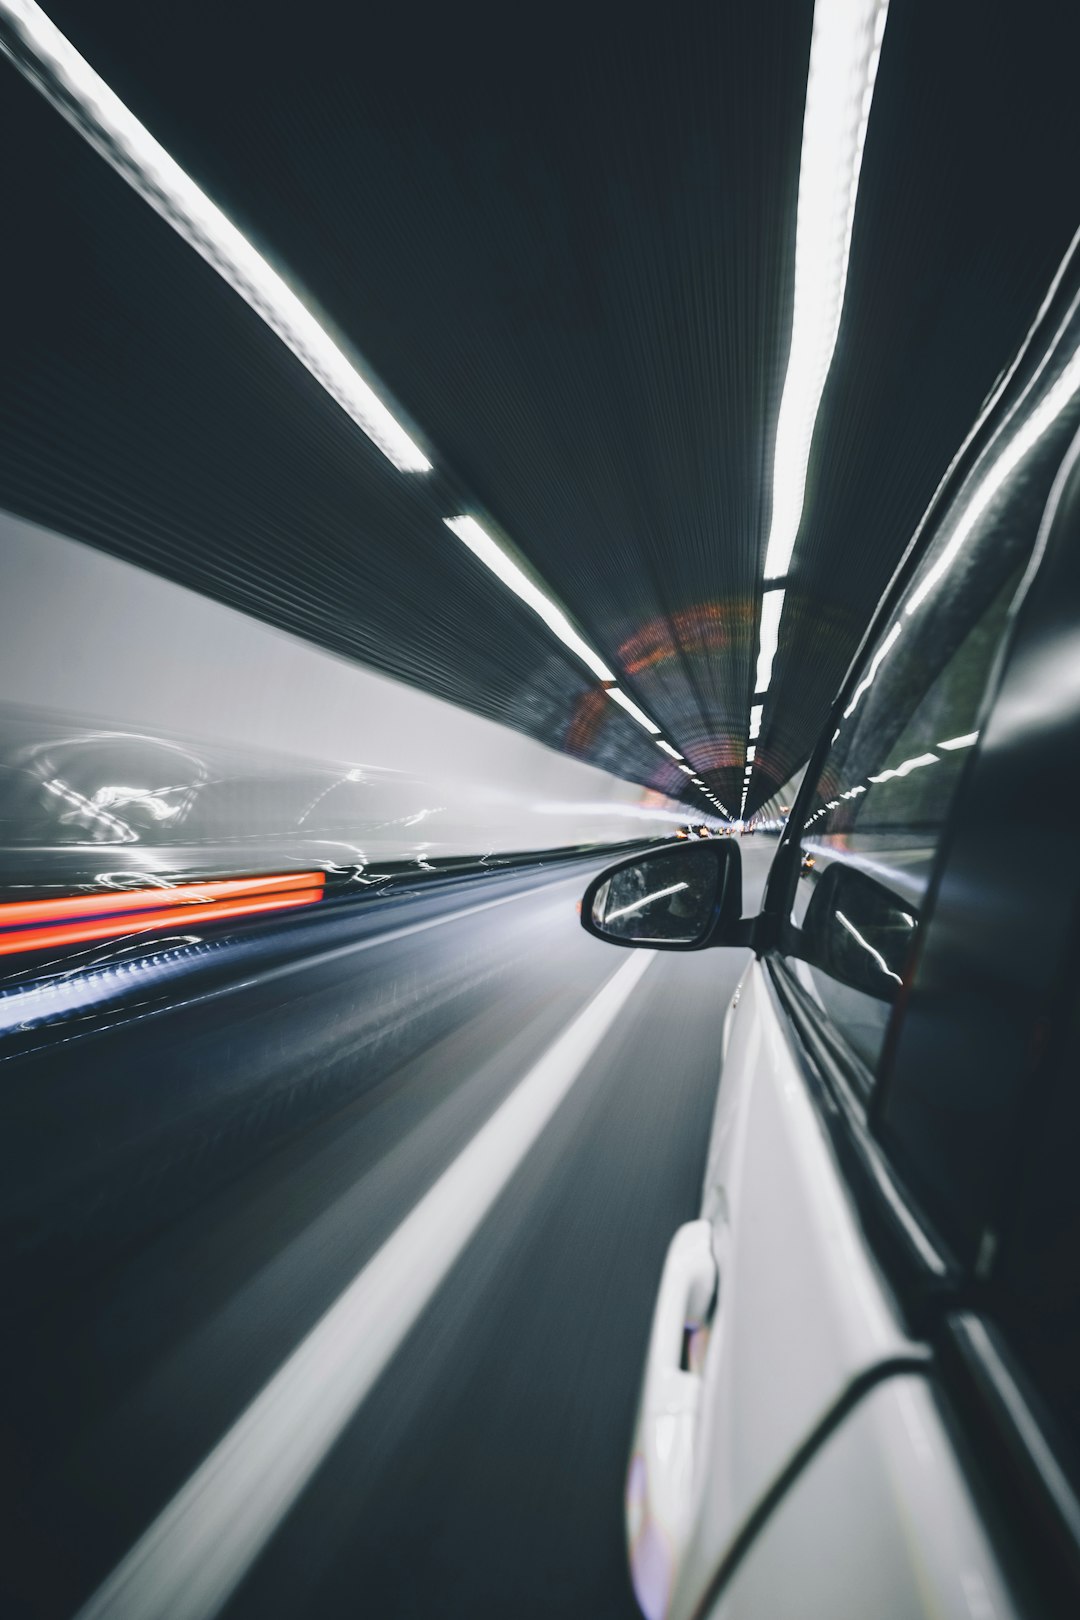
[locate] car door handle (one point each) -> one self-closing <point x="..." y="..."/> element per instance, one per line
<point x="661" y="1475"/>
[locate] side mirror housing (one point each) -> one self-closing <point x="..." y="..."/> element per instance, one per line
<point x="681" y="897"/>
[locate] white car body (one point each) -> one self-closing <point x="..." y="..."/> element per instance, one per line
<point x="882" y="1521"/>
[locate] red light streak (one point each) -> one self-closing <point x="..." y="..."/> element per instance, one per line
<point x="106" y="915"/>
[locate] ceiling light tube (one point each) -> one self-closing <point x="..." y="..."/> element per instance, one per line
<point x="844" y="52"/>
<point x="845" y="49"/>
<point x="666" y="746"/>
<point x="772" y="606"/>
<point x="632" y="709"/>
<point x="491" y="554"/>
<point x="54" y="67"/>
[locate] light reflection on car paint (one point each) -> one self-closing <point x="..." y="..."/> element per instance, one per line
<point x="651" y="1559"/>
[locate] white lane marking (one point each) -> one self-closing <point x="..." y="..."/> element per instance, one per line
<point x="192" y="1558"/>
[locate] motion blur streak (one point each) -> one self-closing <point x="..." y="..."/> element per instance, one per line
<point x="111" y="901"/>
<point x="76" y="992"/>
<point x="51" y="63"/>
<point x="36" y="939"/>
<point x="844" y="55"/>
<point x="485" y="550"/>
<point x="632" y="709"/>
<point x="844" y="58"/>
<point x="193" y="1557"/>
<point x="267" y="1109"/>
<point x="109" y="913"/>
<point x="240" y="730"/>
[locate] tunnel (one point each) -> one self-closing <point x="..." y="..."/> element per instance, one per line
<point x="495" y="501"/>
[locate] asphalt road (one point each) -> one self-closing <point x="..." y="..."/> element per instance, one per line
<point x="189" y="1191"/>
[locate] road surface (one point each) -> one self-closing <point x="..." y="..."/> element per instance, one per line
<point x="234" y="1198"/>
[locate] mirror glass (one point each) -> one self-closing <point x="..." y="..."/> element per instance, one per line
<point x="668" y="898"/>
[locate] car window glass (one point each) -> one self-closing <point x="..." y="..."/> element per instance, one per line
<point x="882" y="797"/>
<point x="879" y="807"/>
<point x="1036" y="1292"/>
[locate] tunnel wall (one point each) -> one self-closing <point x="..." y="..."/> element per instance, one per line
<point x="99" y="659"/>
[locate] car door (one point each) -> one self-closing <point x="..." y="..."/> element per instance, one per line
<point x="955" y="1491"/>
<point x="884" y="1521"/>
<point x="799" y="1322"/>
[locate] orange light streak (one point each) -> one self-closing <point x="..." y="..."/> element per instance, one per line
<point x="109" y="901"/>
<point x="67" y="922"/>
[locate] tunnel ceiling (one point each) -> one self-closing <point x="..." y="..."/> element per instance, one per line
<point x="563" y="240"/>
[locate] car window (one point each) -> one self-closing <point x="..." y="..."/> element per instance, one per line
<point x="880" y="805"/>
<point x="877" y="813"/>
<point x="1036" y="1288"/>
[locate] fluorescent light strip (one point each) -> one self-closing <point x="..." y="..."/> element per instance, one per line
<point x="968" y="741"/>
<point x="687" y="770"/>
<point x="844" y="54"/>
<point x="668" y="749"/>
<point x="772" y="606"/>
<point x="52" y="64"/>
<point x="632" y="709"/>
<point x="491" y="554"/>
<point x="755" y="721"/>
<point x="845" y="50"/>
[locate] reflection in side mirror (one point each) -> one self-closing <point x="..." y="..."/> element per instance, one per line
<point x="858" y="931"/>
<point x="678" y="898"/>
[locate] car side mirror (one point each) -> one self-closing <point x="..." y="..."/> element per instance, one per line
<point x="858" y="931"/>
<point x="682" y="897"/>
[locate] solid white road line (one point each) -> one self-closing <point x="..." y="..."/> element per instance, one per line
<point x="192" y="1558"/>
